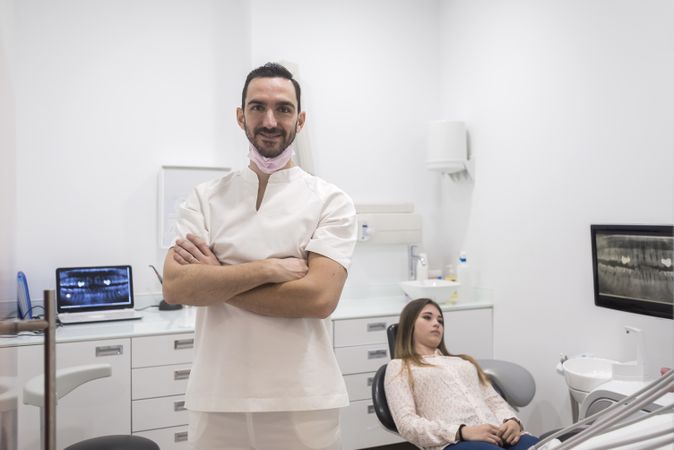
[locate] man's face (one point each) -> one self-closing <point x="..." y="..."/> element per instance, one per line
<point x="270" y="117"/>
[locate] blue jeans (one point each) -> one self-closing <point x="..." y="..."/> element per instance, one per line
<point x="526" y="441"/>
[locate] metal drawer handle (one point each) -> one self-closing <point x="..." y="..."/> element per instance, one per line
<point x="181" y="374"/>
<point x="182" y="344"/>
<point x="370" y="380"/>
<point x="179" y="406"/>
<point x="180" y="437"/>
<point x="109" y="350"/>
<point x="370" y="409"/>
<point x="376" y="354"/>
<point x="376" y="326"/>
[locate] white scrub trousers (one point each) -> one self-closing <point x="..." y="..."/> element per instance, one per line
<point x="291" y="430"/>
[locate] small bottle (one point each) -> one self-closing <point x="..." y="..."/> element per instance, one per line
<point x="463" y="276"/>
<point x="435" y="274"/>
<point x="450" y="273"/>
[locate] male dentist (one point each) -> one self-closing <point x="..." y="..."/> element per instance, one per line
<point x="263" y="252"/>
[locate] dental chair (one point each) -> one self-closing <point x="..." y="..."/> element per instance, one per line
<point x="66" y="381"/>
<point x="513" y="382"/>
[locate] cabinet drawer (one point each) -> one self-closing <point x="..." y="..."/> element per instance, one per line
<point x="359" y="385"/>
<point x="361" y="428"/>
<point x="158" y="413"/>
<point x="362" y="331"/>
<point x="147" y="382"/>
<point x="174" y="438"/>
<point x="364" y="358"/>
<point x="161" y="350"/>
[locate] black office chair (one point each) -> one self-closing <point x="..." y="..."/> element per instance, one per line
<point x="115" y="442"/>
<point x="513" y="382"/>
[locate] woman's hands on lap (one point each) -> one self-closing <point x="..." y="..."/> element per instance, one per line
<point x="485" y="432"/>
<point x="510" y="432"/>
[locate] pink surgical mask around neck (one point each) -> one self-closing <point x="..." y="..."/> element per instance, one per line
<point x="270" y="165"/>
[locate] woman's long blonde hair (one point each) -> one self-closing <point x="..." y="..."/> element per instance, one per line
<point x="404" y="345"/>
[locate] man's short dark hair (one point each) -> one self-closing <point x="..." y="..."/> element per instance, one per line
<point x="271" y="70"/>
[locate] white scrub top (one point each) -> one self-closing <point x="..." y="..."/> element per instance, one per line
<point x="246" y="362"/>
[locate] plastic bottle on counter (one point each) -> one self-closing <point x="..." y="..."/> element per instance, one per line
<point x="463" y="276"/>
<point x="450" y="273"/>
<point x="435" y="274"/>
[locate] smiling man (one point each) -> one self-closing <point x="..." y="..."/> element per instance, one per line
<point x="264" y="253"/>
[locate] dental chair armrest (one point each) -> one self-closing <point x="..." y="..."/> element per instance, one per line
<point x="66" y="380"/>
<point x="512" y="381"/>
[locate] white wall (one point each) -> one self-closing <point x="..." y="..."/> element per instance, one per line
<point x="371" y="77"/>
<point x="106" y="93"/>
<point x="7" y="170"/>
<point x="570" y="106"/>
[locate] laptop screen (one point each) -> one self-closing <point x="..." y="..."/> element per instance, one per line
<point x="80" y="289"/>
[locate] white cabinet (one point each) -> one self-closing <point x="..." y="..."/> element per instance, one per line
<point x="8" y="396"/>
<point x="361" y="347"/>
<point x="471" y="332"/>
<point x="97" y="408"/>
<point x="160" y="370"/>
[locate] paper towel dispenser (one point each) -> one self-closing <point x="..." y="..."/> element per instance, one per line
<point x="388" y="224"/>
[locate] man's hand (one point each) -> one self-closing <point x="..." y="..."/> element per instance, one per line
<point x="485" y="432"/>
<point x="510" y="431"/>
<point x="193" y="250"/>
<point x="287" y="269"/>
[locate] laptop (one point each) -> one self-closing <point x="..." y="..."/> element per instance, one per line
<point x="94" y="294"/>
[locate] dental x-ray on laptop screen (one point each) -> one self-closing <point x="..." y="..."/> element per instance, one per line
<point x="95" y="294"/>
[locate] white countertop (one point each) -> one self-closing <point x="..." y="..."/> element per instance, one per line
<point x="387" y="306"/>
<point x="155" y="322"/>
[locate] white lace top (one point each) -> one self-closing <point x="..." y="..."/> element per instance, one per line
<point x="445" y="396"/>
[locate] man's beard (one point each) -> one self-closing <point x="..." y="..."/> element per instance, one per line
<point x="270" y="152"/>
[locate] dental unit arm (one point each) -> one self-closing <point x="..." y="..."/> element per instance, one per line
<point x="627" y="412"/>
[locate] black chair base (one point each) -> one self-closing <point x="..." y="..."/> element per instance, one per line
<point x="115" y="442"/>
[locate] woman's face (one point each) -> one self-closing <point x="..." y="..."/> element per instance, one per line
<point x="428" y="330"/>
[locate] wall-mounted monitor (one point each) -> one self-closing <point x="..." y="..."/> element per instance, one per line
<point x="632" y="268"/>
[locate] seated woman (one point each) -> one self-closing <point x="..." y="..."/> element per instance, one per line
<point x="444" y="401"/>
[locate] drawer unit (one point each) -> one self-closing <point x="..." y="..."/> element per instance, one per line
<point x="173" y="438"/>
<point x="161" y="367"/>
<point x="148" y="382"/>
<point x="361" y="347"/>
<point x="359" y="386"/>
<point x="161" y="350"/>
<point x="362" y="358"/>
<point x="361" y="428"/>
<point x="362" y="331"/>
<point x="158" y="412"/>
